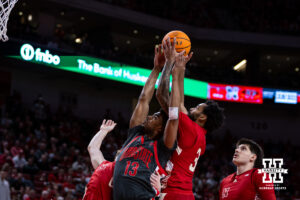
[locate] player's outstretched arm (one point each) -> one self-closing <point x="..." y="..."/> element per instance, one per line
<point x="181" y="86"/>
<point x="142" y="108"/>
<point x="170" y="133"/>
<point x="96" y="155"/>
<point x="162" y="93"/>
<point x="171" y="128"/>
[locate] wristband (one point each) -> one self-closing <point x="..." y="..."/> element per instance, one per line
<point x="173" y="113"/>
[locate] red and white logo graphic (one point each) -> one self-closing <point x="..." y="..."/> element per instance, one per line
<point x="225" y="192"/>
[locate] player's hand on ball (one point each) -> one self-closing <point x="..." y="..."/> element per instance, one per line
<point x="159" y="58"/>
<point x="108" y="125"/>
<point x="169" y="49"/>
<point x="181" y="59"/>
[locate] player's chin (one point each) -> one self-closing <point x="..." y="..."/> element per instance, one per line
<point x="235" y="160"/>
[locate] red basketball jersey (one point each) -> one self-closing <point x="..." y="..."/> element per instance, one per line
<point x="99" y="187"/>
<point x="246" y="186"/>
<point x="181" y="167"/>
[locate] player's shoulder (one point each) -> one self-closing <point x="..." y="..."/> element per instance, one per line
<point x="255" y="172"/>
<point x="258" y="174"/>
<point x="137" y="128"/>
<point x="228" y="178"/>
<point x="183" y="116"/>
<point x="133" y="132"/>
<point x="105" y="164"/>
<point x="111" y="164"/>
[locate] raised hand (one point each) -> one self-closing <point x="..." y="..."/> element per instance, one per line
<point x="108" y="125"/>
<point x="169" y="49"/>
<point x="159" y="58"/>
<point x="181" y="59"/>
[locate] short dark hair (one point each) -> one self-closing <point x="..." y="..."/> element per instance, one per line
<point x="254" y="148"/>
<point x="215" y="115"/>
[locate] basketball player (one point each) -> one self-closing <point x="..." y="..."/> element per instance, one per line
<point x="99" y="186"/>
<point x="146" y="150"/>
<point x="246" y="183"/>
<point x="193" y="126"/>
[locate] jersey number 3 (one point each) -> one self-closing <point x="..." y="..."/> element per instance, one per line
<point x="134" y="166"/>
<point x="193" y="165"/>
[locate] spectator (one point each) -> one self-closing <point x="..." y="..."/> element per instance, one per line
<point x="39" y="108"/>
<point x="19" y="160"/>
<point x="31" y="168"/>
<point x="4" y="185"/>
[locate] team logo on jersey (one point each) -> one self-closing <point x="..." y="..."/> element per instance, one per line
<point x="274" y="168"/>
<point x="225" y="192"/>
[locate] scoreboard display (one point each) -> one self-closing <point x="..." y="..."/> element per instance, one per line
<point x="235" y="93"/>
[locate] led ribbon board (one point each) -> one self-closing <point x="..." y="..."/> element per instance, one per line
<point x="235" y="93"/>
<point x="102" y="69"/>
<point x="282" y="96"/>
<point x="288" y="97"/>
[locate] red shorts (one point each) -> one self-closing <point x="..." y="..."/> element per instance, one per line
<point x="176" y="196"/>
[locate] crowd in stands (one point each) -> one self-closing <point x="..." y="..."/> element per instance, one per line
<point x="267" y="16"/>
<point x="43" y="154"/>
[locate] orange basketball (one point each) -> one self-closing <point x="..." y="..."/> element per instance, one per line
<point x="183" y="41"/>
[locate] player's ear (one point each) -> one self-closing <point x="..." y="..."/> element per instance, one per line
<point x="202" y="117"/>
<point x="253" y="157"/>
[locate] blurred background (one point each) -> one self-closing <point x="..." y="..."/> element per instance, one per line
<point x="49" y="112"/>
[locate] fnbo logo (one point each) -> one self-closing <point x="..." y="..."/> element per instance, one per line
<point x="28" y="53"/>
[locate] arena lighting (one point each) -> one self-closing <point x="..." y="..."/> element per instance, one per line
<point x="241" y="65"/>
<point x="29" y="17"/>
<point x="78" y="40"/>
<point x="102" y="69"/>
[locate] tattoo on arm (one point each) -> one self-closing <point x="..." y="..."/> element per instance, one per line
<point x="162" y="93"/>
